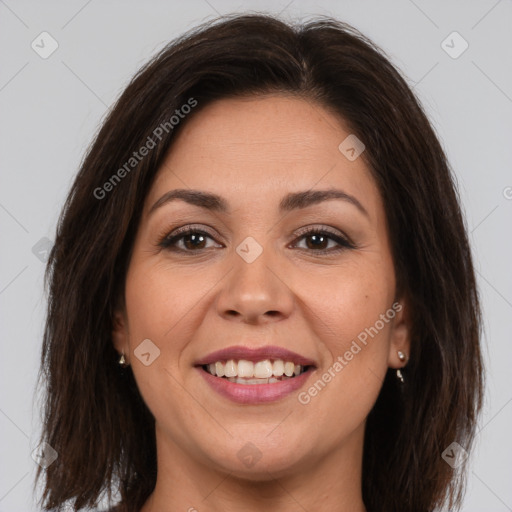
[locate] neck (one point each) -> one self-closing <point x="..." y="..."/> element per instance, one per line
<point x="331" y="483"/>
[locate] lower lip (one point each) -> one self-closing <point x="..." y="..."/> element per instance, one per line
<point x="255" y="393"/>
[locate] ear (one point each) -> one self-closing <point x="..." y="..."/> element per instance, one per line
<point x="400" y="335"/>
<point x="120" y="336"/>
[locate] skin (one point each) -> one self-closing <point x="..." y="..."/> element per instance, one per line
<point x="252" y="151"/>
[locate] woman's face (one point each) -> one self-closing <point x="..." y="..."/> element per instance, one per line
<point x="250" y="282"/>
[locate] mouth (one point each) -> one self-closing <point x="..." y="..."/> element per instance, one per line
<point x="254" y="376"/>
<point x="252" y="373"/>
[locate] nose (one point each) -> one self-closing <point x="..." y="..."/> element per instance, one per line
<point x="256" y="292"/>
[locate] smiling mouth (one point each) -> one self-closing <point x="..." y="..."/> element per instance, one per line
<point x="267" y="371"/>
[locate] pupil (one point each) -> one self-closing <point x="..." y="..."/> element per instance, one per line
<point x="192" y="237"/>
<point x="318" y="238"/>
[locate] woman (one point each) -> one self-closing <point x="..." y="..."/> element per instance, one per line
<point x="261" y="293"/>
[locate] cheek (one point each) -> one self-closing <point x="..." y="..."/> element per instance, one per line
<point x="353" y="316"/>
<point x="348" y="302"/>
<point x="159" y="303"/>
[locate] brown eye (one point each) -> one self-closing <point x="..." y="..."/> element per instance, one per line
<point x="188" y="240"/>
<point x="317" y="240"/>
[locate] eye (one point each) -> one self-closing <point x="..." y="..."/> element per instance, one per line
<point x="320" y="238"/>
<point x="186" y="239"/>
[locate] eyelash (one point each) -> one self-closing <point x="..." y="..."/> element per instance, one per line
<point x="168" y="241"/>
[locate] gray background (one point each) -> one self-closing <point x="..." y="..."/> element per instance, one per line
<point x="51" y="108"/>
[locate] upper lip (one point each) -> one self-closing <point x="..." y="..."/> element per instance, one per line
<point x="255" y="354"/>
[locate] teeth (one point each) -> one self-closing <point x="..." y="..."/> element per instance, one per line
<point x="219" y="369"/>
<point x="241" y="380"/>
<point x="278" y="368"/>
<point x="254" y="373"/>
<point x="288" y="368"/>
<point x="263" y="369"/>
<point x="231" y="369"/>
<point x="245" y="368"/>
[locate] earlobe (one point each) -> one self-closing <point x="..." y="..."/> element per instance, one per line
<point x="120" y="333"/>
<point x="400" y="346"/>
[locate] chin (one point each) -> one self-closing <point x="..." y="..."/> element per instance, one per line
<point x="258" y="459"/>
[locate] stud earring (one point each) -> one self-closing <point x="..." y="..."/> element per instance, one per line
<point x="122" y="361"/>
<point x="402" y="358"/>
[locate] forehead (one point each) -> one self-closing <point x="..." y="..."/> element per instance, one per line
<point x="255" y="149"/>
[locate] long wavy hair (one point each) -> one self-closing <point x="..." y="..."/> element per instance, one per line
<point x="93" y="413"/>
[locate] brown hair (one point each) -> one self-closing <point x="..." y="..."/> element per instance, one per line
<point x="94" y="416"/>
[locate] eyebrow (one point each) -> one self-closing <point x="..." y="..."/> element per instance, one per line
<point x="292" y="201"/>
